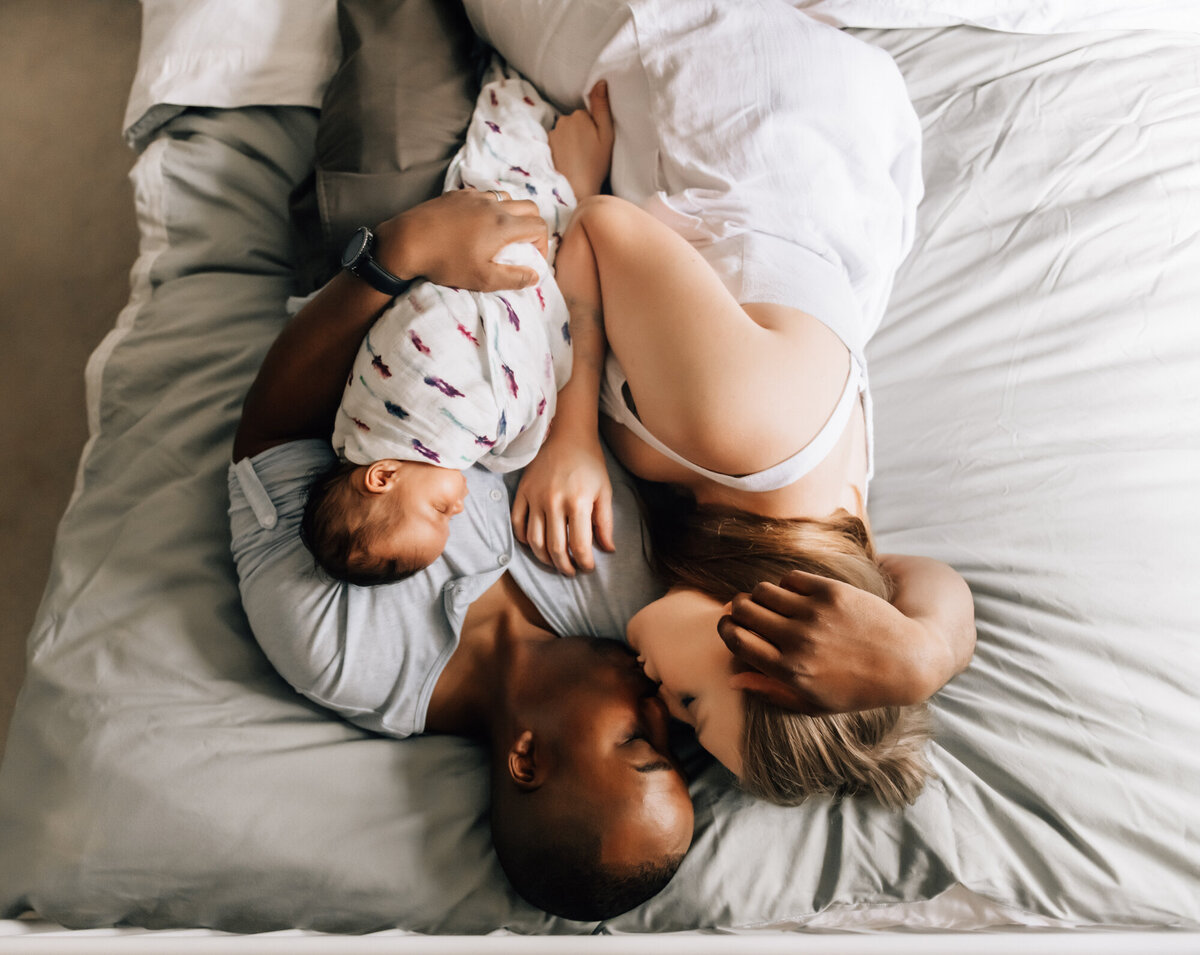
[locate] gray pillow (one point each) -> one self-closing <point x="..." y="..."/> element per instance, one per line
<point x="393" y="116"/>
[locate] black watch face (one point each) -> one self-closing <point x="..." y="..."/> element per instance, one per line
<point x="355" y="247"/>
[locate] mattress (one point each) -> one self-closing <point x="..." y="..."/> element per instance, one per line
<point x="1037" y="414"/>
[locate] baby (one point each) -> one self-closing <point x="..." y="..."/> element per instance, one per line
<point x="447" y="378"/>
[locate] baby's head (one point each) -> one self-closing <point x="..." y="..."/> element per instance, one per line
<point x="590" y="814"/>
<point x="708" y="556"/>
<point x="380" y="522"/>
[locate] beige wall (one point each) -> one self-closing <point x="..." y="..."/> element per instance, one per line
<point x="67" y="240"/>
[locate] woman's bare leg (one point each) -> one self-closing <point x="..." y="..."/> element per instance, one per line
<point x="732" y="389"/>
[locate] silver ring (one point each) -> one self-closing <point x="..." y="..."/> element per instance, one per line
<point x="498" y="194"/>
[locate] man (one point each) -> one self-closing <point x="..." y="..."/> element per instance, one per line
<point x="590" y="814"/>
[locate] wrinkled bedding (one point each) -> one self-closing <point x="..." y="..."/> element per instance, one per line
<point x="1037" y="416"/>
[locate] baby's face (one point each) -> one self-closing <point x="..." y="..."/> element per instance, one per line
<point x="415" y="513"/>
<point x="677" y="642"/>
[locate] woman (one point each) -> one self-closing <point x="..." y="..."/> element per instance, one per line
<point x="722" y="365"/>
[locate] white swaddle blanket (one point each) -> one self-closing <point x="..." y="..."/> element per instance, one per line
<point x="453" y="377"/>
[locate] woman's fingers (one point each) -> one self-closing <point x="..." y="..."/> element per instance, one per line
<point x="602" y="518"/>
<point x="556" y="542"/>
<point x="580" y="536"/>
<point x="520" y="515"/>
<point x="599" y="107"/>
<point x="535" y="536"/>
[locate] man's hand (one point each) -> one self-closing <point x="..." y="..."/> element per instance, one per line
<point x="822" y="646"/>
<point x="564" y="502"/>
<point x="581" y="144"/>
<point x="452" y="239"/>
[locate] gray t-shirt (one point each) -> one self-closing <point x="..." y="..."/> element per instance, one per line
<point x="374" y="654"/>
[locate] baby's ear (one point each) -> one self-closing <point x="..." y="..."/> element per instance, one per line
<point x="526" y="767"/>
<point x="380" y="476"/>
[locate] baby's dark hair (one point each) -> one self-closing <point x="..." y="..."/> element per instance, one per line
<point x="340" y="547"/>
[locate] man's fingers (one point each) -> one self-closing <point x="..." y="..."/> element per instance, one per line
<point x="772" y="626"/>
<point x="580" y="535"/>
<point x="802" y="582"/>
<point x="527" y="228"/>
<point x="789" y="603"/>
<point x="748" y="646"/>
<point x="776" y="692"/>
<point x="500" y="277"/>
<point x="522" y="209"/>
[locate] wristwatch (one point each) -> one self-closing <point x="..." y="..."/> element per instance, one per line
<point x="357" y="258"/>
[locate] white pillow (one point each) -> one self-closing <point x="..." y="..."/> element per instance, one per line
<point x="229" y="53"/>
<point x="1011" y="16"/>
<point x="553" y="43"/>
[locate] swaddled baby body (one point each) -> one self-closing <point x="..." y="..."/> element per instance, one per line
<point x="447" y="378"/>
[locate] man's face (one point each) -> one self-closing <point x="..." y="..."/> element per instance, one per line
<point x="609" y="733"/>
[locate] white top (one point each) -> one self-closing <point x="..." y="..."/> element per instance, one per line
<point x="794" y="169"/>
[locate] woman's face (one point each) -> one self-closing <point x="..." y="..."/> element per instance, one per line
<point x="677" y="641"/>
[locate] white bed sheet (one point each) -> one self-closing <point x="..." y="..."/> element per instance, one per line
<point x="1058" y="367"/>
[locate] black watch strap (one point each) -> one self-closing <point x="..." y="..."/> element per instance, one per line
<point x="358" y="258"/>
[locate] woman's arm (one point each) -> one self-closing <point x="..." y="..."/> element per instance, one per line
<point x="564" y="500"/>
<point x="450" y="240"/>
<point x="707" y="375"/>
<point x="821" y="646"/>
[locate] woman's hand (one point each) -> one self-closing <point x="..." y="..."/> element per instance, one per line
<point x="581" y="144"/>
<point x="564" y="502"/>
<point x="451" y="240"/>
<point x="822" y="646"/>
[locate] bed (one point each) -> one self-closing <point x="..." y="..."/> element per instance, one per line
<point x="1037" y="414"/>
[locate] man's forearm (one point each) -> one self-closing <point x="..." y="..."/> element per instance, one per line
<point x="298" y="389"/>
<point x="450" y="240"/>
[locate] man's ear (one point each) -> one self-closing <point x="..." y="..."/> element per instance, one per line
<point x="380" y="476"/>
<point x="527" y="763"/>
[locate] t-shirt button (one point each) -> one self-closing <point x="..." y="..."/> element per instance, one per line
<point x="495" y="495"/>
<point x="502" y="559"/>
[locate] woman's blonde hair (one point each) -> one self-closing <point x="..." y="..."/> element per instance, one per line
<point x="787" y="756"/>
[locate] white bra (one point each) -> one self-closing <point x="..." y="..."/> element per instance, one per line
<point x="615" y="403"/>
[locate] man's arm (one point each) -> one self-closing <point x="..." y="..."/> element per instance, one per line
<point x="822" y="646"/>
<point x="449" y="240"/>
